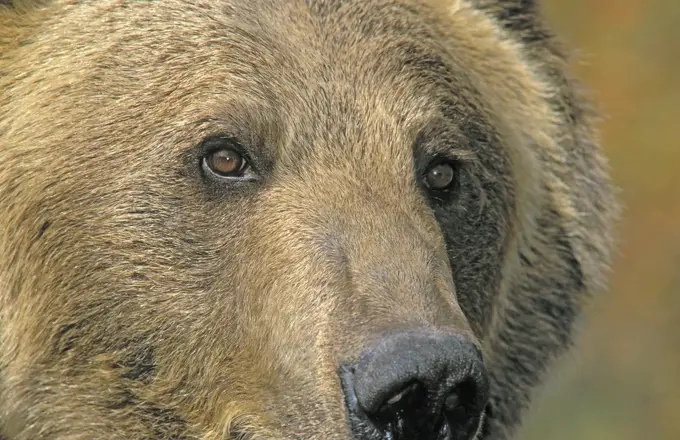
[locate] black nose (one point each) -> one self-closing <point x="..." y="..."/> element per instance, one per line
<point x="416" y="385"/>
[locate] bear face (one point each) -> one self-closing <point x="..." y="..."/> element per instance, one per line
<point x="235" y="219"/>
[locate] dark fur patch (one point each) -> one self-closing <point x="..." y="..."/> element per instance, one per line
<point x="475" y="224"/>
<point x="167" y="425"/>
<point x="164" y="423"/>
<point x="43" y="228"/>
<point x="518" y="16"/>
<point x="424" y="62"/>
<point x="139" y="365"/>
<point x="65" y="337"/>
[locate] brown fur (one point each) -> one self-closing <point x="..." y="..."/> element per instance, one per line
<point x="138" y="300"/>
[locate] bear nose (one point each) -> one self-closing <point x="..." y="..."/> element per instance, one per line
<point x="416" y="385"/>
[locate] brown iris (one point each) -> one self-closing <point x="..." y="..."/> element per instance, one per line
<point x="226" y="163"/>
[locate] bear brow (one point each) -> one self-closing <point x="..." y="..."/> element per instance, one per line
<point x="443" y="139"/>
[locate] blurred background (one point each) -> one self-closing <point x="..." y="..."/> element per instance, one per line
<point x="623" y="382"/>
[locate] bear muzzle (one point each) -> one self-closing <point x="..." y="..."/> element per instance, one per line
<point x="416" y="384"/>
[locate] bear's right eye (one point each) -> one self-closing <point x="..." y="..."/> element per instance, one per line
<point x="226" y="163"/>
<point x="223" y="159"/>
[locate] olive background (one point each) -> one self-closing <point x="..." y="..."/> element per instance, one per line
<point x="623" y="382"/>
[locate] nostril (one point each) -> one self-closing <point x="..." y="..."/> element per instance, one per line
<point x="462" y="410"/>
<point x="400" y="397"/>
<point x="400" y="404"/>
<point x="460" y="403"/>
<point x="465" y="393"/>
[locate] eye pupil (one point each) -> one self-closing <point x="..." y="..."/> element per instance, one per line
<point x="226" y="162"/>
<point x="440" y="176"/>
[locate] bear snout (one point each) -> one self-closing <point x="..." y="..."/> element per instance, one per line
<point x="416" y="384"/>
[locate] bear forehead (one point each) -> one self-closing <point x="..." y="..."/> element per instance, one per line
<point x="338" y="46"/>
<point x="277" y="67"/>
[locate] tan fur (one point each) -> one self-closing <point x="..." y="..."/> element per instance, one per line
<point x="138" y="300"/>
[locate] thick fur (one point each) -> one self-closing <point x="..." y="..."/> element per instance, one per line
<point x="141" y="299"/>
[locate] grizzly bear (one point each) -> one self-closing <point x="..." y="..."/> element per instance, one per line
<point x="289" y="219"/>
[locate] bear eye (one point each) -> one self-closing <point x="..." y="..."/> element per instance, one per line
<point x="226" y="163"/>
<point x="441" y="176"/>
<point x="223" y="159"/>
